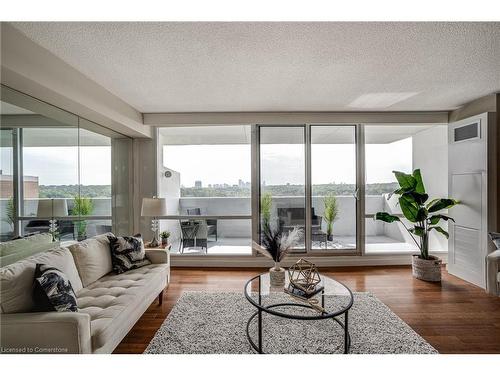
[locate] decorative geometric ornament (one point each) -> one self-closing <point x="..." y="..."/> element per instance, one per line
<point x="304" y="275"/>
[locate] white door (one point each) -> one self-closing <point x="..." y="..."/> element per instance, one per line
<point x="467" y="158"/>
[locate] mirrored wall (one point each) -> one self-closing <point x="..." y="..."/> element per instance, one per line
<point x="56" y="168"/>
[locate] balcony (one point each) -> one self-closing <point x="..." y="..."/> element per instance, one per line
<point x="234" y="235"/>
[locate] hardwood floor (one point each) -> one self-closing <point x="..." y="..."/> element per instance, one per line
<point x="454" y="316"/>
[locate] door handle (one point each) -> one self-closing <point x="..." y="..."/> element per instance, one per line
<point x="356" y="194"/>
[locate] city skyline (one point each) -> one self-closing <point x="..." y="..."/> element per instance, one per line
<point x="227" y="164"/>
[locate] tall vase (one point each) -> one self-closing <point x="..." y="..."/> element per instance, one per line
<point x="277" y="275"/>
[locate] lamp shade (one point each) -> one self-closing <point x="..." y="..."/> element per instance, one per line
<point x="52" y="208"/>
<point x="154" y="207"/>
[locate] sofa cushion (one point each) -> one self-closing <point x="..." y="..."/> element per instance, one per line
<point x="92" y="258"/>
<point x="116" y="302"/>
<point x="53" y="290"/>
<point x="16" y="279"/>
<point x="127" y="253"/>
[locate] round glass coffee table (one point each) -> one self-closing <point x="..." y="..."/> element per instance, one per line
<point x="260" y="293"/>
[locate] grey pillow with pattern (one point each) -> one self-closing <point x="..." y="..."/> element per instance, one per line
<point x="127" y="253"/>
<point x="52" y="290"/>
<point x="495" y="237"/>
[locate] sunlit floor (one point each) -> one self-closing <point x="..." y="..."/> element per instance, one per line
<point x="242" y="246"/>
<point x="223" y="246"/>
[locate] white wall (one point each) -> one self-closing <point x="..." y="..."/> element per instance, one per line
<point x="430" y="154"/>
<point x="170" y="189"/>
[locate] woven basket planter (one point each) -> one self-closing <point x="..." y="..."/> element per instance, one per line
<point x="426" y="269"/>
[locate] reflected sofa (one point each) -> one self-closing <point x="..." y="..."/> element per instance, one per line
<point x="12" y="251"/>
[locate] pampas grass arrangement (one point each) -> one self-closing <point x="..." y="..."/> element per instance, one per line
<point x="276" y="244"/>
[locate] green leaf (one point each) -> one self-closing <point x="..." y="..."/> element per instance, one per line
<point x="432" y="202"/>
<point x="410" y="210"/>
<point x="441" y="204"/>
<point x="384" y="216"/>
<point x="419" y="187"/>
<point x="417" y="231"/>
<point x="409" y="197"/>
<point x="433" y="220"/>
<point x="406" y="181"/>
<point x="441" y="230"/>
<point x="396" y="192"/>
<point x="416" y="198"/>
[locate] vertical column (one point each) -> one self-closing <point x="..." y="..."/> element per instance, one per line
<point x="360" y="188"/>
<point x="255" y="181"/>
<point x="308" y="187"/>
<point x="17" y="182"/>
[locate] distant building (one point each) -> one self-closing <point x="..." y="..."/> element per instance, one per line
<point x="197" y="184"/>
<point x="30" y="188"/>
<point x="243" y="184"/>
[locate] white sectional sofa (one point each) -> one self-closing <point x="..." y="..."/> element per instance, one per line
<point x="108" y="304"/>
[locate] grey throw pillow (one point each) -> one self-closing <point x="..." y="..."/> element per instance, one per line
<point x="127" y="253"/>
<point x="53" y="290"/>
<point x="495" y="237"/>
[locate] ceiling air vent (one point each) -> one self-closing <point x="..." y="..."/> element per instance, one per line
<point x="467" y="132"/>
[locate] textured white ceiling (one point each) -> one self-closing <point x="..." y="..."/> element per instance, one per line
<point x="191" y="67"/>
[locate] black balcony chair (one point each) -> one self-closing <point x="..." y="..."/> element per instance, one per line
<point x="211" y="223"/>
<point x="194" y="234"/>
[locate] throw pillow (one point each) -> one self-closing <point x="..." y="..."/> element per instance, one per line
<point x="127" y="253"/>
<point x="495" y="237"/>
<point x="53" y="290"/>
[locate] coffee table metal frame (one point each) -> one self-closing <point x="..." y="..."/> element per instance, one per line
<point x="269" y="310"/>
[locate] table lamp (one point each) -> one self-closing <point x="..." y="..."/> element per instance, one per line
<point x="154" y="207"/>
<point x="52" y="208"/>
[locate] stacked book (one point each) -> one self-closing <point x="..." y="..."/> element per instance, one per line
<point x="299" y="293"/>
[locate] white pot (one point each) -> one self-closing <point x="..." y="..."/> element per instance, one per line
<point x="277" y="275"/>
<point x="426" y="269"/>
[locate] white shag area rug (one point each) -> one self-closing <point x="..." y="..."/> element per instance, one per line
<point x="211" y="323"/>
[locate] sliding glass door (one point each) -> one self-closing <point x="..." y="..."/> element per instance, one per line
<point x="308" y="179"/>
<point x="282" y="179"/>
<point x="333" y="188"/>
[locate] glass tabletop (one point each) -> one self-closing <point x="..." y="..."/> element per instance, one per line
<point x="334" y="299"/>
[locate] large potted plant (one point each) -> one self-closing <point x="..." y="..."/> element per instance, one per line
<point x="425" y="216"/>
<point x="266" y="204"/>
<point x="331" y="212"/>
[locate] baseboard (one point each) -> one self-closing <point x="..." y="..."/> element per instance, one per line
<point x="333" y="261"/>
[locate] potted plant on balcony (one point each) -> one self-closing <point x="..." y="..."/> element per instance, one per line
<point x="331" y="212"/>
<point x="425" y="218"/>
<point x="276" y="245"/>
<point x="266" y="204"/>
<point x="164" y="238"/>
<point x="82" y="207"/>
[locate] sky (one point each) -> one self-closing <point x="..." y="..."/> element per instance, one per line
<point x="281" y="164"/>
<point x="218" y="164"/>
<point x="59" y="165"/>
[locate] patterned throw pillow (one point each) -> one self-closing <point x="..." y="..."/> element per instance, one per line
<point x="495" y="237"/>
<point x="127" y="253"/>
<point x="53" y="290"/>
